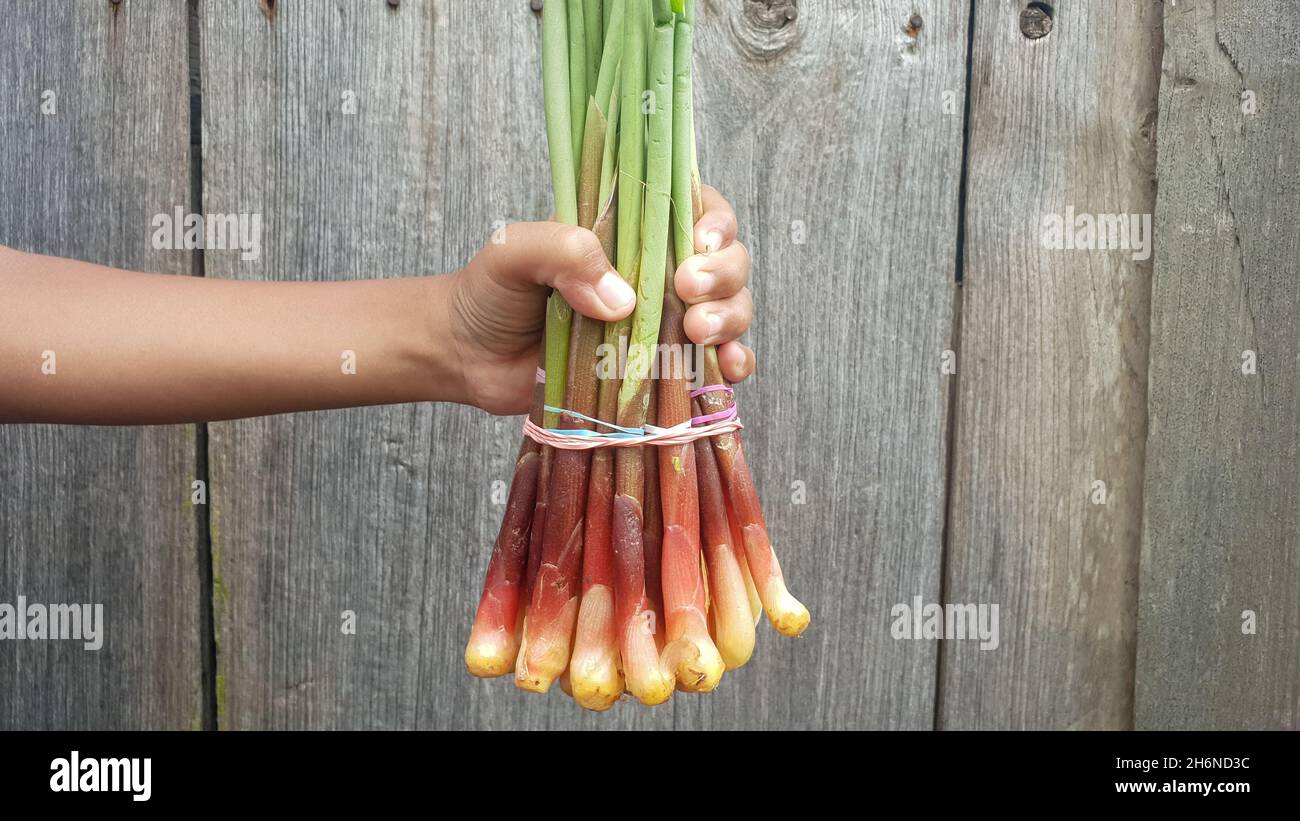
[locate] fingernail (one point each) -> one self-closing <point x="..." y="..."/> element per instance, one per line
<point x="712" y="241"/>
<point x="713" y="324"/>
<point x="704" y="283"/>
<point x="614" y="292"/>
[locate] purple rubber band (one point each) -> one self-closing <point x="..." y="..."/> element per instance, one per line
<point x="729" y="413"/>
<point x="711" y="389"/>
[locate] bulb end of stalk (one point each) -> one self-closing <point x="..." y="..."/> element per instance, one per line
<point x="736" y="657"/>
<point x="787" y="614"/>
<point x="593" y="670"/>
<point x="696" y="661"/>
<point x="490" y="655"/>
<point x="544" y="657"/>
<point x="596" y="685"/>
<point x="648" y="679"/>
<point x="755" y="603"/>
<point x="566" y="684"/>
<point x="735" y="640"/>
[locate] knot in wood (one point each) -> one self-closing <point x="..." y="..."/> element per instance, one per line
<point x="766" y="28"/>
<point x="1036" y="21"/>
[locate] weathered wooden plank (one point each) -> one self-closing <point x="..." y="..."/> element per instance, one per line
<point x="1052" y="373"/>
<point x="94" y="514"/>
<point x="1222" y="528"/>
<point x="389" y="511"/>
<point x="324" y="119"/>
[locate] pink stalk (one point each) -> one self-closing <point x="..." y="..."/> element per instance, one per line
<point x="683" y="581"/>
<point x="730" y="612"/>
<point x="494" y="641"/>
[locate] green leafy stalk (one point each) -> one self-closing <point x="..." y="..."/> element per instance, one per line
<point x="634" y="395"/>
<point x="625" y="172"/>
<point x="683" y="134"/>
<point x="607" y="84"/>
<point x="577" y="79"/>
<point x="564" y="183"/>
<point x="631" y="153"/>
<point x="592" y="18"/>
<point x="609" y="163"/>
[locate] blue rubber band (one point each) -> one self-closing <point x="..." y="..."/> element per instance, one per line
<point x="622" y="432"/>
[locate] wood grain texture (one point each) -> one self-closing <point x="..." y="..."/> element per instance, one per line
<point x="95" y="514"/>
<point x="1052" y="374"/>
<point x="317" y="514"/>
<point x="1222" y="528"/>
<point x="389" y="512"/>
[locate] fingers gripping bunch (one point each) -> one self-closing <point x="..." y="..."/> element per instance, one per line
<point x="646" y="568"/>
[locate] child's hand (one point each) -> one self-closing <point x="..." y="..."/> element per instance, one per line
<point x="496" y="304"/>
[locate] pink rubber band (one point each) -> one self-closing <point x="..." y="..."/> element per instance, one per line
<point x="712" y="388"/>
<point x="729" y="413"/>
<point x="682" y="434"/>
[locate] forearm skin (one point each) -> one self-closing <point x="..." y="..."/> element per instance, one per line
<point x="83" y="343"/>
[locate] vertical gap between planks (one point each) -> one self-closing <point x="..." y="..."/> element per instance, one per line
<point x="207" y="624"/>
<point x="955" y="345"/>
<point x="1159" y="45"/>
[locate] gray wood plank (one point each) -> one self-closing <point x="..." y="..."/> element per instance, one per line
<point x="1052" y="373"/>
<point x="389" y="512"/>
<point x="1222" y="528"/>
<point x="98" y="515"/>
<point x="315" y="514"/>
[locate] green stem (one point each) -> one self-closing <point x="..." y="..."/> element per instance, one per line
<point x="592" y="18"/>
<point x="631" y="153"/>
<point x="559" y="136"/>
<point x="577" y="79"/>
<point x="633" y="396"/>
<point x="683" y="135"/>
<point x="609" y="164"/>
<point x="607" y="78"/>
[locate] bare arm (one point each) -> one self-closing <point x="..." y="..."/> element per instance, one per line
<point x="84" y="343"/>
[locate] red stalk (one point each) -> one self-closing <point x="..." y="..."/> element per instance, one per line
<point x="787" y="614"/>
<point x="638" y="609"/>
<point x="683" y="582"/>
<point x="494" y="641"/>
<point x="738" y="545"/>
<point x="652" y="533"/>
<point x="594" y="668"/>
<point x="553" y="609"/>
<point x="542" y="497"/>
<point x="730" y="612"/>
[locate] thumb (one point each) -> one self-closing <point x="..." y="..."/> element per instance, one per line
<point x="567" y="258"/>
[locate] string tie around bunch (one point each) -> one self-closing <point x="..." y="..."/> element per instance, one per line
<point x="610" y="435"/>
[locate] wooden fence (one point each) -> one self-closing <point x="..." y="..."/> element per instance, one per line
<point x="1106" y="446"/>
